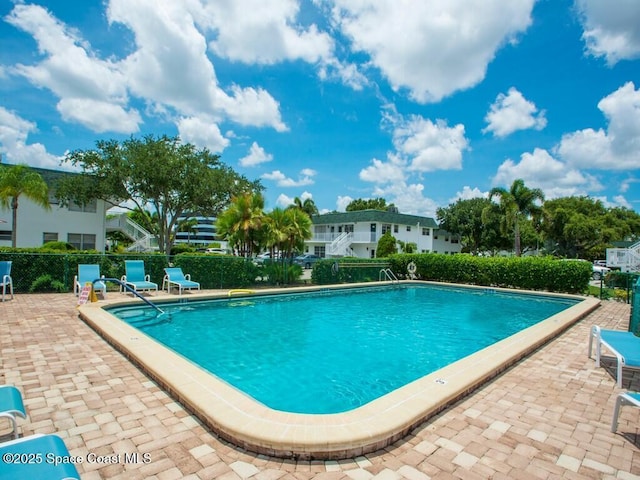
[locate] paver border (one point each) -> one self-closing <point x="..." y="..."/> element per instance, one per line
<point x="244" y="422"/>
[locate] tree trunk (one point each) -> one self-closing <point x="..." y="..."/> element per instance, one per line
<point x="14" y="220"/>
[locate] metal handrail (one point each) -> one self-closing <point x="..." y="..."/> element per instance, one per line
<point x="128" y="288"/>
<point x="388" y="273"/>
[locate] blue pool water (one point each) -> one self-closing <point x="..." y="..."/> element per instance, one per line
<point x="329" y="352"/>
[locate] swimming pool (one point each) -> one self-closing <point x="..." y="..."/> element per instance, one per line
<point x="240" y="419"/>
<point x="330" y="352"/>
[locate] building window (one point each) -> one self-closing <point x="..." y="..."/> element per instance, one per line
<point x="5" y="234"/>
<point x="319" y="251"/>
<point x="82" y="241"/>
<point x="408" y="228"/>
<point x="49" y="237"/>
<point x="386" y="228"/>
<point x="426" y="231"/>
<point x="89" y="207"/>
<point x="395" y="229"/>
<point x="454" y="240"/>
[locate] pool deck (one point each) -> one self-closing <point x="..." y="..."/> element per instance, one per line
<point x="546" y="417"/>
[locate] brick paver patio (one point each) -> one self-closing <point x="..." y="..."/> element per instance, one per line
<point x="546" y="418"/>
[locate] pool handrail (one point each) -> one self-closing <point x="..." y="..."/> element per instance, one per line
<point x="388" y="273"/>
<point x="128" y="288"/>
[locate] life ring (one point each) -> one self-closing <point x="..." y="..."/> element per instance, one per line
<point x="411" y="268"/>
<point x="334" y="268"/>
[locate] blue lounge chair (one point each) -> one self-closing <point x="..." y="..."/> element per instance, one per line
<point x="48" y="456"/>
<point x="136" y="278"/>
<point x="5" y="278"/>
<point x="175" y="276"/>
<point x="629" y="398"/>
<point x="11" y="406"/>
<point x="87" y="274"/>
<point x="624" y="345"/>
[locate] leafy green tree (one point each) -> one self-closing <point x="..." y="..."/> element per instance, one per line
<point x="464" y="218"/>
<point x="308" y="206"/>
<point x="17" y="181"/>
<point x="518" y="204"/>
<point x="386" y="245"/>
<point x="368" y="204"/>
<point x="242" y="223"/>
<point x="168" y="176"/>
<point x="408" y="247"/>
<point x="582" y="227"/>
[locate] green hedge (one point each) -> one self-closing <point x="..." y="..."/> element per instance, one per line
<point x="530" y="273"/>
<point x="212" y="271"/>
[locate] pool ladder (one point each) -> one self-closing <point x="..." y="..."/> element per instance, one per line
<point x="387" y="274"/>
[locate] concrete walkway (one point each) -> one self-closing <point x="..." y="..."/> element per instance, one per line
<point x="546" y="418"/>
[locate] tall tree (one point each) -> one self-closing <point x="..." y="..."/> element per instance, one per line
<point x="464" y="218"/>
<point x="162" y="173"/>
<point x="368" y="204"/>
<point x="308" y="206"/>
<point x="518" y="204"/>
<point x="582" y="227"/>
<point x="242" y="223"/>
<point x="17" y="181"/>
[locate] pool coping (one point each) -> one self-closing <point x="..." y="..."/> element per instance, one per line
<point x="247" y="423"/>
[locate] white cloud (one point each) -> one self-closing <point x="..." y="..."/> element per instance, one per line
<point x="14" y="147"/>
<point x="256" y="156"/>
<point x="614" y="149"/>
<point x="540" y="170"/>
<point x="429" y="146"/>
<point x="431" y="48"/>
<point x="383" y="172"/>
<point x="255" y="31"/>
<point x="342" y="202"/>
<point x="611" y="28"/>
<point x="99" y="116"/>
<point x="468" y="193"/>
<point x="512" y="112"/>
<point x="167" y="68"/>
<point x="92" y="92"/>
<point x="305" y="178"/>
<point x="409" y="198"/>
<point x="283" y="201"/>
<point x="202" y="132"/>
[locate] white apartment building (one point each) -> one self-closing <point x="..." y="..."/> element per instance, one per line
<point x="356" y="234"/>
<point x="81" y="226"/>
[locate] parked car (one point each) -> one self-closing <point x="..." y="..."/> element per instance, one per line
<point x="599" y="272"/>
<point x="260" y="259"/>
<point x="217" y="251"/>
<point x="600" y="263"/>
<point x="307" y="260"/>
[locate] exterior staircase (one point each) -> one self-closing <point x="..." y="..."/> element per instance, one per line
<point x="341" y="245"/>
<point x="627" y="259"/>
<point x="143" y="241"/>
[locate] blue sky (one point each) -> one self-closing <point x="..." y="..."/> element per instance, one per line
<point x="420" y="103"/>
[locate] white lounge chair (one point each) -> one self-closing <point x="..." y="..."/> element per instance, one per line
<point x="624" y="345"/>
<point x="5" y="278"/>
<point x="175" y="276"/>
<point x="135" y="277"/>
<point x="11" y="406"/>
<point x="629" y="398"/>
<point x="87" y="273"/>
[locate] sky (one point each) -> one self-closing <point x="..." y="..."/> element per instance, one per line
<point x="421" y="103"/>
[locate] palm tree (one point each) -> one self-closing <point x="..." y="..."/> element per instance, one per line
<point x="517" y="204"/>
<point x="308" y="206"/>
<point x="21" y="180"/>
<point x="241" y="223"/>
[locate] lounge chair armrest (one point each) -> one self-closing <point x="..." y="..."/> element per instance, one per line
<point x="147" y="277"/>
<point x="188" y="276"/>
